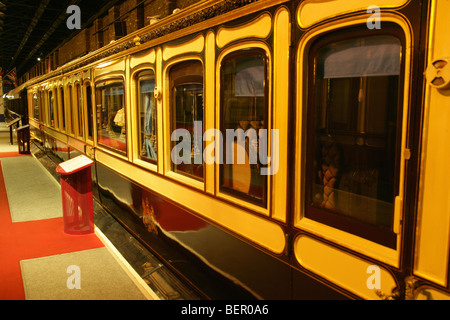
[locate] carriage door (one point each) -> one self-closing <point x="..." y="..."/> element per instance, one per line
<point x="356" y="114"/>
<point x="433" y="222"/>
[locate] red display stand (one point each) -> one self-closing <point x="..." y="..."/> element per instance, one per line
<point x="23" y="139"/>
<point x="76" y="190"/>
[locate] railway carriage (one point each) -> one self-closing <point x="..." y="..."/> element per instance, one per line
<point x="342" y="113"/>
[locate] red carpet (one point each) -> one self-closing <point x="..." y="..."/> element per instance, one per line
<point x="29" y="240"/>
<point x="11" y="154"/>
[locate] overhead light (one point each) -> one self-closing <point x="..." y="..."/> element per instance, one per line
<point x="39" y="59"/>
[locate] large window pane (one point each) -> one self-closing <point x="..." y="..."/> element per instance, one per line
<point x="186" y="83"/>
<point x="42" y="107"/>
<point x="51" y="106"/>
<point x="353" y="137"/>
<point x="111" y="114"/>
<point x="147" y="110"/>
<point x="36" y="105"/>
<point x="90" y="112"/>
<point x="79" y="110"/>
<point x="243" y="114"/>
<point x="63" y="111"/>
<point x="70" y="111"/>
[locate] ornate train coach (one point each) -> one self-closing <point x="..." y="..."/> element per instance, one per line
<point x="271" y="149"/>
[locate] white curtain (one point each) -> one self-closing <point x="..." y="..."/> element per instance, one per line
<point x="249" y="80"/>
<point x="371" y="56"/>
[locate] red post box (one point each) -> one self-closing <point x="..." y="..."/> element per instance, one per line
<point x="76" y="190"/>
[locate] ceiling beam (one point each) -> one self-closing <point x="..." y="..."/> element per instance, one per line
<point x="49" y="32"/>
<point x="20" y="17"/>
<point x="40" y="10"/>
<point x="23" y="5"/>
<point x="104" y="9"/>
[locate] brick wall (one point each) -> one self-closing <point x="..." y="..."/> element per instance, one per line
<point x="76" y="47"/>
<point x="155" y="8"/>
<point x="130" y="14"/>
<point x="102" y="31"/>
<point x="185" y="3"/>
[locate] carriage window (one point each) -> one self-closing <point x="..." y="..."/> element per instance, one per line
<point x="90" y="112"/>
<point x="63" y="114"/>
<point x="79" y="109"/>
<point x="36" y="106"/>
<point x="41" y="95"/>
<point x="147" y="110"/>
<point x="51" y="106"/>
<point x="44" y="106"/>
<point x="111" y="114"/>
<point x="70" y="112"/>
<point x="353" y="137"/>
<point x="243" y="113"/>
<point x="186" y="86"/>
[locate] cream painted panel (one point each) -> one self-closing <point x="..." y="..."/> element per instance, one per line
<point x="259" y="28"/>
<point x="159" y="111"/>
<point x="432" y="247"/>
<point x="134" y="114"/>
<point x="314" y="11"/>
<point x="87" y="74"/>
<point x="146" y="57"/>
<point x="196" y="45"/>
<point x="280" y="112"/>
<point x="130" y="108"/>
<point x="55" y="134"/>
<point x="428" y="293"/>
<point x="344" y="269"/>
<point x="78" y="77"/>
<point x="108" y="67"/>
<point x="259" y="230"/>
<point x="210" y="102"/>
<point x="75" y="143"/>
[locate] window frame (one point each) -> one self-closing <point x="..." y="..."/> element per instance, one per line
<point x="89" y="119"/>
<point x="70" y="125"/>
<point x="266" y="211"/>
<point x="78" y="111"/>
<point x="35" y="106"/>
<point x="370" y="232"/>
<point x="54" y="97"/>
<point x="112" y="79"/>
<point x="142" y="75"/>
<point x="43" y="106"/>
<point x="168" y="124"/>
<point x="234" y="54"/>
<point x="62" y="107"/>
